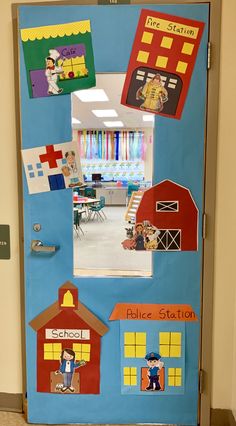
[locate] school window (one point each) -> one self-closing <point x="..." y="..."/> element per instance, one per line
<point x="174" y="376"/>
<point x="134" y="345"/>
<point x="82" y="351"/>
<point x="52" y="351"/>
<point x="130" y="376"/>
<point x="170" y="344"/>
<point x="167" y="206"/>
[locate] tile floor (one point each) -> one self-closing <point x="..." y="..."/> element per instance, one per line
<point x="15" y="419"/>
<point x="100" y="247"/>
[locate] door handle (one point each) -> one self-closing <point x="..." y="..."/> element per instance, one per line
<point x="38" y="247"/>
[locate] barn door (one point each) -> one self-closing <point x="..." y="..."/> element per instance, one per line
<point x="98" y="334"/>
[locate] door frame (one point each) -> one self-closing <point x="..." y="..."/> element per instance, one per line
<point x="209" y="187"/>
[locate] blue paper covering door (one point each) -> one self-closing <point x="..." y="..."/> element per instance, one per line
<point x="120" y="397"/>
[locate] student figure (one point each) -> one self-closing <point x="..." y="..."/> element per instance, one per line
<point x="67" y="367"/>
<point x="52" y="72"/>
<point x="155" y="365"/>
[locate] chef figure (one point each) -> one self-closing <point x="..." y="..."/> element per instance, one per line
<point x="52" y="72"/>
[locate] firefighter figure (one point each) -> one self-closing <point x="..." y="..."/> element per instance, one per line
<point x="154" y="94"/>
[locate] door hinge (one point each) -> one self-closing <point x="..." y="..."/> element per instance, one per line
<point x="204" y="226"/>
<point x="208" y="55"/>
<point x="201" y="381"/>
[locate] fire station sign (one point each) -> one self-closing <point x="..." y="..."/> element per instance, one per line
<point x="67" y="334"/>
<point x="161" y="63"/>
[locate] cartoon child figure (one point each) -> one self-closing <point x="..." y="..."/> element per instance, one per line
<point x="67" y="367"/>
<point x="52" y="72"/>
<point x="71" y="170"/>
<point x="139" y="236"/>
<point x="153" y="93"/>
<point x="151" y="238"/>
<point x="155" y="365"/>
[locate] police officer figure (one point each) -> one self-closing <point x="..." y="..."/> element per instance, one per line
<point x="155" y="365"/>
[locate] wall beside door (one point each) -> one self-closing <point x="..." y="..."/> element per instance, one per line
<point x="224" y="336"/>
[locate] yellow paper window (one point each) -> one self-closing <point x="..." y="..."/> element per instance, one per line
<point x="130" y="351"/>
<point x="134" y="344"/>
<point x="174" y="376"/>
<point x="52" y="351"/>
<point x="129" y="338"/>
<point x="130" y="376"/>
<point x="164" y="338"/>
<point x="147" y="37"/>
<point x="140" y="339"/>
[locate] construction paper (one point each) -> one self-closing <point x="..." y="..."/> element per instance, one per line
<point x="140" y="342"/>
<point x="161" y="63"/>
<point x="152" y="312"/>
<point x="165" y="219"/>
<point x="68" y="333"/>
<point x="58" y="58"/>
<point x="52" y="167"/>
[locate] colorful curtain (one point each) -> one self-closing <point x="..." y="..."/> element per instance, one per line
<point x="111" y="145"/>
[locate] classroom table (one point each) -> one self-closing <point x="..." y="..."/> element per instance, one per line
<point x="86" y="202"/>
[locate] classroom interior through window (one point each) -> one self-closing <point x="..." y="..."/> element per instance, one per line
<point x="115" y="147"/>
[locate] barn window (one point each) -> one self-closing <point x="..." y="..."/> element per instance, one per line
<point x="52" y="351"/>
<point x="170" y="344"/>
<point x="134" y="345"/>
<point x="167" y="206"/>
<point x="174" y="376"/>
<point x="82" y="351"/>
<point x="130" y="376"/>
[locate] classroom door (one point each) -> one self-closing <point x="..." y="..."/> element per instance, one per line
<point x="114" y="325"/>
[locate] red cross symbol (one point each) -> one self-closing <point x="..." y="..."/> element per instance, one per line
<point x="51" y="156"/>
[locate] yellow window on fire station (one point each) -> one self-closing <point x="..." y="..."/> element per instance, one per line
<point x="130" y="376"/>
<point x="52" y="351"/>
<point x="174" y="376"/>
<point x="134" y="345"/>
<point x="170" y="344"/>
<point x="82" y="351"/>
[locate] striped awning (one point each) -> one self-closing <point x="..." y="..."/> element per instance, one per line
<point x="61" y="30"/>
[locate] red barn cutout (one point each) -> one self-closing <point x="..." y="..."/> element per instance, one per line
<point x="68" y="325"/>
<point x="167" y="209"/>
<point x="161" y="63"/>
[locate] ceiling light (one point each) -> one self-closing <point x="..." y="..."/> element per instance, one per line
<point x="75" y="121"/>
<point x="92" y="95"/>
<point x="113" y="123"/>
<point x="104" y="112"/>
<point x="148" y="117"/>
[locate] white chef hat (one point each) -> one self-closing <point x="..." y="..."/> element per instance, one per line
<point x="53" y="54"/>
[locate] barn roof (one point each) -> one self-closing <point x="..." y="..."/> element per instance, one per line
<point x="82" y="311"/>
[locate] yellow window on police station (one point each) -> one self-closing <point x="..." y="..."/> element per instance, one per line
<point x="134" y="345"/>
<point x="130" y="376"/>
<point x="170" y="344"/>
